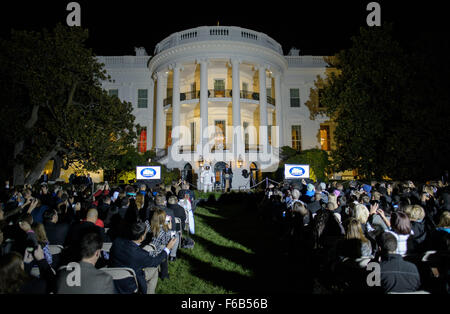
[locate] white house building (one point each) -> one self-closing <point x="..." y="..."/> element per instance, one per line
<point x="220" y="94"/>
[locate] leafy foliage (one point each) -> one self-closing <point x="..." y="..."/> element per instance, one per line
<point x="390" y="120"/>
<point x="52" y="87"/>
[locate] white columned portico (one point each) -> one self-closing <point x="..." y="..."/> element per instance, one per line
<point x="176" y="104"/>
<point x="236" y="109"/>
<point x="263" y="136"/>
<point x="278" y="110"/>
<point x="203" y="104"/>
<point x="160" y="121"/>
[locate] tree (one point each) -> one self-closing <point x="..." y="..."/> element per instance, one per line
<point x="54" y="105"/>
<point x="383" y="109"/>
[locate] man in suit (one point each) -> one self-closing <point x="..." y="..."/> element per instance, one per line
<point x="227" y="175"/>
<point x="128" y="253"/>
<point x="92" y="280"/>
<point x="56" y="232"/>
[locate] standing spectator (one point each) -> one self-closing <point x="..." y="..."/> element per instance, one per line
<point x="92" y="280"/>
<point x="128" y="253"/>
<point x="397" y="275"/>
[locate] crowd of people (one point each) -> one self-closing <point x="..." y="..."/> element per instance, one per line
<point x="339" y="232"/>
<point x="142" y="228"/>
<point x="342" y="233"/>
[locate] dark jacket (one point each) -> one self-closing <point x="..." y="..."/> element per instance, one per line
<point x="416" y="242"/>
<point x="56" y="232"/>
<point x="126" y="253"/>
<point x="179" y="212"/>
<point x="398" y="275"/>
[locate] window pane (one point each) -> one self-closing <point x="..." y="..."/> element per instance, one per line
<point x="296" y="137"/>
<point x="142" y="98"/>
<point x="113" y="92"/>
<point x="295" y="97"/>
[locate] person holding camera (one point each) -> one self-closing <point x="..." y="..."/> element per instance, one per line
<point x="15" y="272"/>
<point x="128" y="253"/>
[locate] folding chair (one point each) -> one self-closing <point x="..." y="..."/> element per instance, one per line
<point x="106" y="246"/>
<point x="55" y="249"/>
<point x="120" y="273"/>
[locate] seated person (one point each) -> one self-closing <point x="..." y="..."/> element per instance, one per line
<point x="128" y="253"/>
<point x="397" y="275"/>
<point x="92" y="280"/>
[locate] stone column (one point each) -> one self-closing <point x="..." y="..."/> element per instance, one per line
<point x="203" y="104"/>
<point x="176" y="104"/>
<point x="263" y="137"/>
<point x="150" y="113"/>
<point x="236" y="102"/>
<point x="278" y="110"/>
<point x="160" y="121"/>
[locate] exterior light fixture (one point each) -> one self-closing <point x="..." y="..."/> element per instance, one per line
<point x="201" y="161"/>
<point x="240" y="162"/>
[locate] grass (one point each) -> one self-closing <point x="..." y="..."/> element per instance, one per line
<point x="235" y="252"/>
<point x="223" y="258"/>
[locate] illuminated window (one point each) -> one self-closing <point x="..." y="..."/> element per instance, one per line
<point x="142" y="143"/>
<point x="325" y="137"/>
<point x="219" y="88"/>
<point x="168" y="135"/>
<point x="295" y="97"/>
<point x="142" y="98"/>
<point x="297" y="137"/>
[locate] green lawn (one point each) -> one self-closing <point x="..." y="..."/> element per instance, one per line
<point x="235" y="251"/>
<point x="223" y="258"/>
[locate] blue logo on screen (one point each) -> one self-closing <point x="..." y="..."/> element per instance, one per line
<point x="148" y="172"/>
<point x="297" y="171"/>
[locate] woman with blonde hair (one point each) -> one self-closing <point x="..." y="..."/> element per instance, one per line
<point x="160" y="228"/>
<point x="416" y="214"/>
<point x="355" y="233"/>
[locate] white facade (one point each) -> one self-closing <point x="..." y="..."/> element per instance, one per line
<point x="217" y="75"/>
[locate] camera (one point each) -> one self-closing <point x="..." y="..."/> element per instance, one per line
<point x="172" y="234"/>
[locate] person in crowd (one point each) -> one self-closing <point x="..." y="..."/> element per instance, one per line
<point x="178" y="211"/>
<point x="15" y="277"/>
<point x="358" y="244"/>
<point x="128" y="253"/>
<point x="92" y="280"/>
<point x="397" y="275"/>
<point x="400" y="227"/>
<point x="41" y="237"/>
<point x="76" y="233"/>
<point x="417" y="242"/>
<point x="160" y="229"/>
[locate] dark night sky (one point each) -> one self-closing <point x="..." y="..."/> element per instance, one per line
<point x="318" y="28"/>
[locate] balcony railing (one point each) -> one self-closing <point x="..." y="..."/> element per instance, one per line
<point x="213" y="93"/>
<point x="187" y="149"/>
